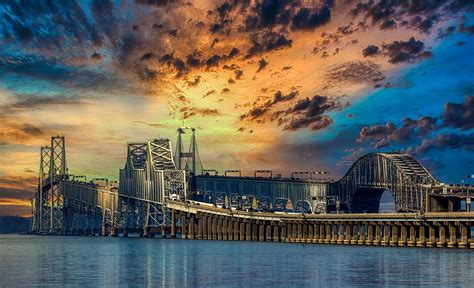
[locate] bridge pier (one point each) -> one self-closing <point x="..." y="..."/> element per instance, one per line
<point x="355" y="235"/>
<point x="421" y="241"/>
<point x="361" y="240"/>
<point x="103" y="229"/>
<point x="386" y="234"/>
<point x="340" y="237"/>
<point x="453" y="237"/>
<point x="377" y="239"/>
<point x="236" y="230"/>
<point x="441" y="236"/>
<point x="333" y="233"/>
<point x="173" y="224"/>
<point x="370" y="234"/>
<point x="347" y="239"/>
<point x="395" y="233"/>
<point x="327" y="239"/>
<point x="412" y="236"/>
<point x="402" y="242"/>
<point x="431" y="236"/>
<point x="465" y="233"/>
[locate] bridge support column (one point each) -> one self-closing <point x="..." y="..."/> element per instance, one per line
<point x="386" y="234"/>
<point x="103" y="230"/>
<point x="347" y="239"/>
<point x="163" y="231"/>
<point x="395" y="232"/>
<point x="173" y="224"/>
<point x="340" y="237"/>
<point x="219" y="228"/>
<point x="322" y="230"/>
<point x="453" y="237"/>
<point x="191" y="231"/>
<point x="328" y="233"/>
<point x="248" y="231"/>
<point x="113" y="232"/>
<point x="300" y="233"/>
<point x="412" y="236"/>
<point x="315" y="233"/>
<point x="236" y="229"/>
<point x="276" y="232"/>
<point x="377" y="238"/>
<point x="354" y="234"/>
<point x="261" y="231"/>
<point x="431" y="236"/>
<point x="284" y="232"/>
<point x="145" y="232"/>
<point x="209" y="226"/>
<point x="465" y="233"/>
<point x="294" y="232"/>
<point x="333" y="233"/>
<point x="199" y="228"/>
<point x="255" y="231"/>
<point x="310" y="232"/>
<point x="228" y="227"/>
<point x="289" y="230"/>
<point x="361" y="240"/>
<point x="441" y="236"/>
<point x="184" y="226"/>
<point x="205" y="224"/>
<point x="370" y="234"/>
<point x="242" y="230"/>
<point x="402" y="241"/>
<point x="421" y="240"/>
<point x="214" y="227"/>
<point x="268" y="231"/>
<point x="125" y="232"/>
<point x="305" y="232"/>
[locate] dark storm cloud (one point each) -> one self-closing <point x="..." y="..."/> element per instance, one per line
<point x="310" y="113"/>
<point x="421" y="15"/>
<point x="263" y="110"/>
<point x="405" y="51"/>
<point x="445" y="141"/>
<point x="371" y="50"/>
<point x="383" y="135"/>
<point x="266" y="42"/>
<point x="459" y="115"/>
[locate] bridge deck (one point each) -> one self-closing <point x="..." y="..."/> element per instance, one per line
<point x="196" y="207"/>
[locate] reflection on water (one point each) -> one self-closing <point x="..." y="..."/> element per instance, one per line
<point x="35" y="260"/>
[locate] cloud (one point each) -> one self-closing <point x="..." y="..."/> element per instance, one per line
<point x="24" y="102"/>
<point x="354" y="72"/>
<point x="189" y="112"/>
<point x="406" y="51"/>
<point x="371" y="50"/>
<point x="459" y="115"/>
<point x="262" y="63"/>
<point x="309" y="113"/>
<point x="259" y="112"/>
<point x="445" y="141"/>
<point x="383" y="135"/>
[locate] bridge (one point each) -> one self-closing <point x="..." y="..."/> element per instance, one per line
<point x="171" y="195"/>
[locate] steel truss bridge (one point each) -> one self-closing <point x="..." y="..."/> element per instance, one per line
<point x="161" y="193"/>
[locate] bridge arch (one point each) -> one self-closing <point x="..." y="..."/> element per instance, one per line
<point x="362" y="186"/>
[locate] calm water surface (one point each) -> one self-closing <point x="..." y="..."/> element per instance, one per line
<point x="92" y="261"/>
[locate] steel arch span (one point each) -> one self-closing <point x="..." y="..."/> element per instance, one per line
<point x="363" y="185"/>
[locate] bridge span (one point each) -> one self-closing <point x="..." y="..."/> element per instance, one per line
<point x="159" y="193"/>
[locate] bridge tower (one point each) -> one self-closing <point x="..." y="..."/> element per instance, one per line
<point x="187" y="159"/>
<point x="49" y="199"/>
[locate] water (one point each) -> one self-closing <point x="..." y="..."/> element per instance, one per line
<point x="92" y="261"/>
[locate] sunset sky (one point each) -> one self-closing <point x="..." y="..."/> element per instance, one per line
<point x="272" y="84"/>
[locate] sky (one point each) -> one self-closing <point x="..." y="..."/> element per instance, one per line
<point x="270" y="84"/>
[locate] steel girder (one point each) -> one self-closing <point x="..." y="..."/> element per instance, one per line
<point x="404" y="176"/>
